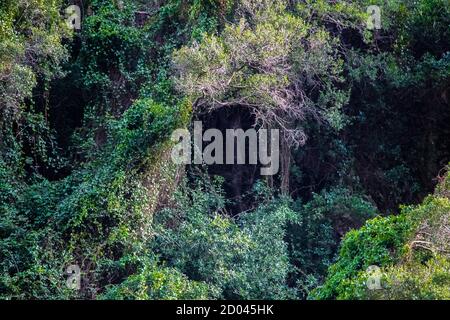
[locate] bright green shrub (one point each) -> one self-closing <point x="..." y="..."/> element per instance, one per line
<point x="383" y="242"/>
<point x="158" y="283"/>
<point x="244" y="259"/>
<point x="415" y="281"/>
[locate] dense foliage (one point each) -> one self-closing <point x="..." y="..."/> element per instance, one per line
<point x="412" y="248"/>
<point x="86" y="177"/>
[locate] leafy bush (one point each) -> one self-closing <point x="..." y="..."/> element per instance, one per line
<point x="385" y="242"/>
<point x="99" y="217"/>
<point x="158" y="283"/>
<point x="320" y="224"/>
<point x="246" y="259"/>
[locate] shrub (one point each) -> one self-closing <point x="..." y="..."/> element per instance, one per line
<point x="384" y="242"/>
<point x="320" y="224"/>
<point x="245" y="259"/>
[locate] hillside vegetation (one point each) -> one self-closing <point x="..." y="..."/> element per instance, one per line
<point x="87" y="181"/>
